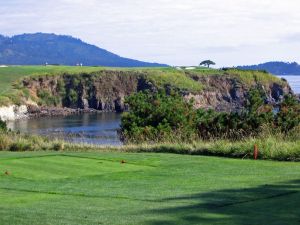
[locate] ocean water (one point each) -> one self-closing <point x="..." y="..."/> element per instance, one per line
<point x="294" y="81"/>
<point x="96" y="129"/>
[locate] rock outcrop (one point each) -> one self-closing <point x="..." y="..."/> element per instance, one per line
<point x="13" y="112"/>
<point x="106" y="91"/>
<point x="226" y="93"/>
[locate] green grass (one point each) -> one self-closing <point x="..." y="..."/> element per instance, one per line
<point x="247" y="77"/>
<point x="9" y="75"/>
<point x="173" y="77"/>
<point x="96" y="188"/>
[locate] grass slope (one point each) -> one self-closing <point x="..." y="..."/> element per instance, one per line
<point x="95" y="188"/>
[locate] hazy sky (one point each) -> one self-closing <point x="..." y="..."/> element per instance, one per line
<point x="177" y="32"/>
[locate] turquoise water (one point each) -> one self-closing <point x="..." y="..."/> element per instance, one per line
<point x="97" y="129"/>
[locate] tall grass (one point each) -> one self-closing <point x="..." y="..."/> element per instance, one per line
<point x="271" y="146"/>
<point x="11" y="141"/>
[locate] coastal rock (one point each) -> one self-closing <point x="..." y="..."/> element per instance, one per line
<point x="13" y="112"/>
<point x="107" y="91"/>
<point x="225" y="93"/>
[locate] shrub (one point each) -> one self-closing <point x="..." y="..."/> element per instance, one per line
<point x="157" y="116"/>
<point x="236" y="125"/>
<point x="288" y="116"/>
<point x="213" y="125"/>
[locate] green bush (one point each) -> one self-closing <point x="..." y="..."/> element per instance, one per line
<point x="212" y="125"/>
<point x="156" y="116"/>
<point x="237" y="125"/>
<point x="288" y="116"/>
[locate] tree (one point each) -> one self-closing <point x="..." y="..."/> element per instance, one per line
<point x="207" y="63"/>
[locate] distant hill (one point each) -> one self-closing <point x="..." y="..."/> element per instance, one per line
<point x="39" y="48"/>
<point x="277" y="68"/>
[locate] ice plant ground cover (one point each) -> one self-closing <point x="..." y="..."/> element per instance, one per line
<point x="145" y="188"/>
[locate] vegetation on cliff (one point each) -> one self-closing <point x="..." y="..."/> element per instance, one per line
<point x="105" y="88"/>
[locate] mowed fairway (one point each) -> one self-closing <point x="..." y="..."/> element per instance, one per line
<point x="97" y="188"/>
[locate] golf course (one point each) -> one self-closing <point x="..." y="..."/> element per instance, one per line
<point x="149" y="112"/>
<point x="145" y="188"/>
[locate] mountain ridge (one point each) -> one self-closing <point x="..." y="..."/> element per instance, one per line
<point x="41" y="48"/>
<point x="276" y="67"/>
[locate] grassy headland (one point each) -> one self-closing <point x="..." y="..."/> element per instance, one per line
<point x="11" y="91"/>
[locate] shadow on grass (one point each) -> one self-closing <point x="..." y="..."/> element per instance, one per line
<point x="267" y="204"/>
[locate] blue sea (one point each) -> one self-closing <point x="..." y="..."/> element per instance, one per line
<point x="294" y="81"/>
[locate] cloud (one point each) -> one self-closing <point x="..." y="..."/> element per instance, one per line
<point x="169" y="31"/>
<point x="291" y="38"/>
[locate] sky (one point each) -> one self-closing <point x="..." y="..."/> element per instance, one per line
<point x="176" y="32"/>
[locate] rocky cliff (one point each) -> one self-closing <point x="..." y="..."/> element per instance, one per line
<point x="106" y="90"/>
<point x="228" y="93"/>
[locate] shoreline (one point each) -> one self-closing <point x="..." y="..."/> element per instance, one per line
<point x="39" y="112"/>
<point x="15" y="112"/>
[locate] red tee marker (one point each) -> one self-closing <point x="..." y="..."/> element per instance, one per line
<point x="255" y="152"/>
